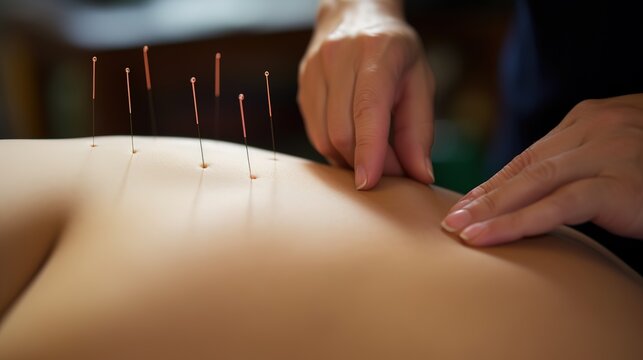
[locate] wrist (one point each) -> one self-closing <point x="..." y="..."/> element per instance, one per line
<point x="393" y="8"/>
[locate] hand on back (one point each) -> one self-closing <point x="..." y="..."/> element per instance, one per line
<point x="366" y="92"/>
<point x="588" y="168"/>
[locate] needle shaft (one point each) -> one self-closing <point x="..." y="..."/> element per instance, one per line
<point x="245" y="138"/>
<point x="196" y="119"/>
<point x="129" y="105"/>
<point x="272" y="128"/>
<point x="94" y="59"/>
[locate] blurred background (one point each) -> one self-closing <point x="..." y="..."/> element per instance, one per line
<point x="46" y="48"/>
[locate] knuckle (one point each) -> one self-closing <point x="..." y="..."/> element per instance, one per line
<point x="488" y="204"/>
<point x="490" y="184"/>
<point x="579" y="113"/>
<point x="388" y="42"/>
<point x="364" y="103"/>
<point x="518" y="163"/>
<point x="526" y="158"/>
<point x="329" y="50"/>
<point x="368" y="133"/>
<point x="483" y="189"/>
<point x="381" y="43"/>
<point x="509" y="170"/>
<point x="365" y="139"/>
<point x="544" y="172"/>
<point x="586" y="105"/>
<point x="374" y="42"/>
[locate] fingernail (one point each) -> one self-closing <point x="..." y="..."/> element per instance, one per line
<point x="429" y="169"/>
<point x="361" y="180"/>
<point x="472" y="231"/>
<point x="456" y="220"/>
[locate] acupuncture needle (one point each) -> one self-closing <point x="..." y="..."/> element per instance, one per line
<point x="94" y="60"/>
<point x="148" y="83"/>
<point x="245" y="138"/>
<point x="272" y="129"/>
<point x="217" y="92"/>
<point x="129" y="104"/>
<point x="196" y="116"/>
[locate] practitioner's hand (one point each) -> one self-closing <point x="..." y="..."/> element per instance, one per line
<point x="364" y="67"/>
<point x="588" y="168"/>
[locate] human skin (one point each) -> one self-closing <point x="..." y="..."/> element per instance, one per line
<point x="364" y="77"/>
<point x="588" y="168"/>
<point x="105" y="254"/>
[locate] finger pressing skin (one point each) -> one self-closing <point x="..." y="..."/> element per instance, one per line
<point x="339" y="109"/>
<point x="372" y="104"/>
<point x="312" y="102"/>
<point x="541" y="150"/>
<point x="572" y="204"/>
<point x="530" y="185"/>
<point x="413" y="124"/>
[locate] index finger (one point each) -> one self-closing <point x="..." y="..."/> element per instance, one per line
<point x="552" y="145"/>
<point x="372" y="105"/>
